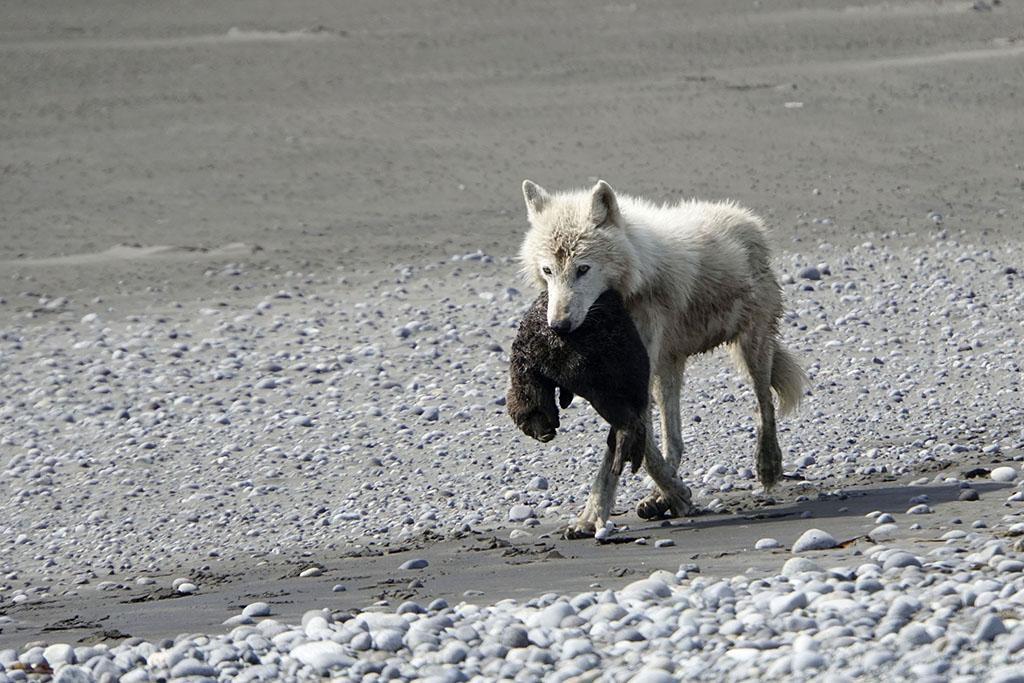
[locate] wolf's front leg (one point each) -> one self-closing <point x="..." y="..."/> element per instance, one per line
<point x="667" y="385"/>
<point x="599" y="503"/>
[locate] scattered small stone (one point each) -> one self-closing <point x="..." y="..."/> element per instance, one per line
<point x="198" y="435"/>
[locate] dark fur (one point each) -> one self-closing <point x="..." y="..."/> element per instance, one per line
<point x="603" y="360"/>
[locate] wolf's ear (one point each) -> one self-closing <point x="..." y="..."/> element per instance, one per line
<point x="535" y="195"/>
<point x="604" y="206"/>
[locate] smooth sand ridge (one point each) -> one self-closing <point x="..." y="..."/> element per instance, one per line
<point x="127" y="252"/>
<point x="233" y="36"/>
<point x="1007" y="51"/>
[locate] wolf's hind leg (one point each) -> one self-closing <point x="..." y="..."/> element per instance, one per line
<point x="602" y="496"/>
<point x="757" y="353"/>
<point x="672" y="496"/>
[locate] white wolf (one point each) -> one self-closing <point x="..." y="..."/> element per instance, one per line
<point x="693" y="275"/>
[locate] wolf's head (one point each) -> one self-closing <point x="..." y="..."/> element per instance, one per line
<point x="576" y="248"/>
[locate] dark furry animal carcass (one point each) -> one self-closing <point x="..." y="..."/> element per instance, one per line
<point x="603" y="360"/>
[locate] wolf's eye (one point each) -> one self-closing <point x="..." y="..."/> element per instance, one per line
<point x="547" y="271"/>
<point x="582" y="270"/>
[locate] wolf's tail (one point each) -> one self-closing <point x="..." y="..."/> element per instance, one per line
<point x="788" y="379"/>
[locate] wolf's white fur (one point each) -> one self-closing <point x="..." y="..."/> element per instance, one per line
<point x="694" y="275"/>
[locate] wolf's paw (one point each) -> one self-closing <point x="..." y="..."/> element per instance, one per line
<point x="581" y="529"/>
<point x="654" y="506"/>
<point x="769" y="465"/>
<point x="679" y="503"/>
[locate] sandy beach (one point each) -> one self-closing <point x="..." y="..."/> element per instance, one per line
<point x="258" y="286"/>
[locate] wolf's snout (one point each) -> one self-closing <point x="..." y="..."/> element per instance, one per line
<point x="563" y="326"/>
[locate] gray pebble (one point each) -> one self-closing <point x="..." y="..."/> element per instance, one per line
<point x="990" y="627"/>
<point x="192" y="667"/>
<point x="417" y="563"/>
<point x="520" y="513"/>
<point x="515" y="637"/>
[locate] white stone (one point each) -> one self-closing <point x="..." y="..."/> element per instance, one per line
<point x="814" y="539"/>
<point x="787" y="602"/>
<point x="256" y="609"/>
<point x="520" y="513"/>
<point x="575" y="647"/>
<point x="807" y="660"/>
<point x="799" y="565"/>
<point x="388" y="640"/>
<point x="520" y="536"/>
<point x="883" y="532"/>
<point x="322" y="655"/>
<point x="74" y="674"/>
<point x="646" y="589"/>
<point x="1003" y="475"/>
<point x="552" y="615"/>
<point x="899" y="560"/>
<point x="59" y="653"/>
<point x="653" y="676"/>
